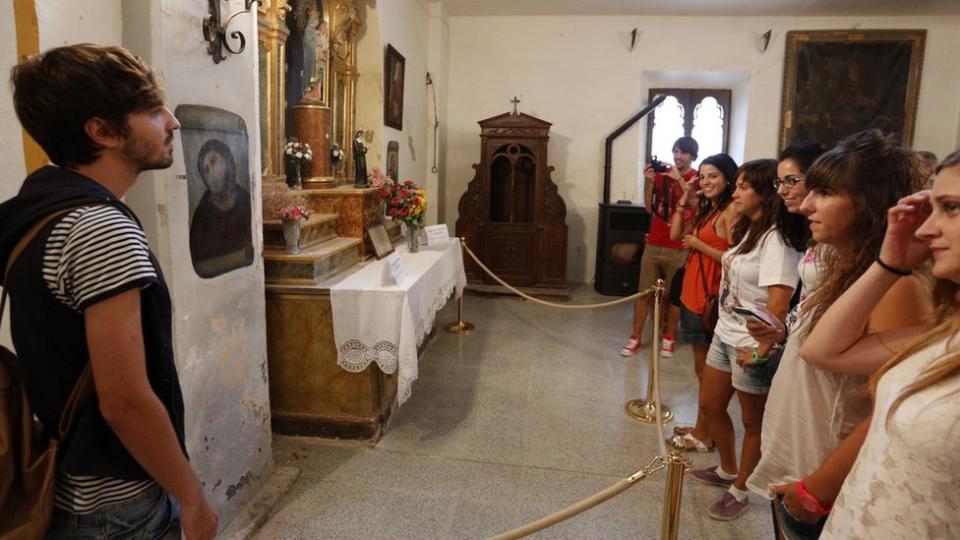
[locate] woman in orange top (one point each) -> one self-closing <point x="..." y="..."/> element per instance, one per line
<point x="706" y="238"/>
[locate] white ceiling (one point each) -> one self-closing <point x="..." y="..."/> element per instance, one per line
<point x="456" y="8"/>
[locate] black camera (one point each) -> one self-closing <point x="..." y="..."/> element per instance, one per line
<point x="658" y="166"/>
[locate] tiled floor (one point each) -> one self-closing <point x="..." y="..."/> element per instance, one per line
<point x="506" y="425"/>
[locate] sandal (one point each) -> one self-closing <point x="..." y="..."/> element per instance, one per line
<point x="691" y="444"/>
<point x="682" y="430"/>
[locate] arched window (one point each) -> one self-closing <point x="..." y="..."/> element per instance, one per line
<point x="699" y="113"/>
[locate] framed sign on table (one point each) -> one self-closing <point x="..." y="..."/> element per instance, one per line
<point x="838" y="82"/>
<point x="382" y="245"/>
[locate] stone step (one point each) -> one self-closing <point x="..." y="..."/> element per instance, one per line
<point x="318" y="228"/>
<point x="311" y="265"/>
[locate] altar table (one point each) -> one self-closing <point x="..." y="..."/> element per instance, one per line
<point x="385" y="324"/>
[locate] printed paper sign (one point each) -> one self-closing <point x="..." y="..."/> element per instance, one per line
<point x="395" y="271"/>
<point x="437" y="235"/>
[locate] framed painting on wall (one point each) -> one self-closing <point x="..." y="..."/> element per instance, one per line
<point x="838" y="82"/>
<point x="393" y="70"/>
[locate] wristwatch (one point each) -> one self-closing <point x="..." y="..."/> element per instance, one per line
<point x="811" y="503"/>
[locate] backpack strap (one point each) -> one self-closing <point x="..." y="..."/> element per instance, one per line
<point x="84" y="386"/>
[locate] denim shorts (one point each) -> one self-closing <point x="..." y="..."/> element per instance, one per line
<point x="751" y="379"/>
<point x="692" y="327"/>
<point x="152" y="515"/>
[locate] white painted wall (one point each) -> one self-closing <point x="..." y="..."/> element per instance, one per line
<point x="11" y="141"/>
<point x="405" y="25"/>
<point x="577" y="73"/>
<point x="63" y="22"/>
<point x="438" y="65"/>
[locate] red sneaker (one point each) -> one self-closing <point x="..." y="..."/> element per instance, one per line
<point x="631" y="347"/>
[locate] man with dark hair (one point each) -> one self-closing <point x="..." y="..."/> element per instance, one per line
<point x="87" y="291"/>
<point x="662" y="257"/>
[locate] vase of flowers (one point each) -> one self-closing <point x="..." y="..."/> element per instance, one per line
<point x="406" y="202"/>
<point x="292" y="216"/>
<point x="297" y="153"/>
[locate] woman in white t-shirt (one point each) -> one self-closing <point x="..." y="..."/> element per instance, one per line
<point x="759" y="272"/>
<point x="905" y="481"/>
<point x="811" y="410"/>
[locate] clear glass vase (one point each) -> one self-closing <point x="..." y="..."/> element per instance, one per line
<point x="413" y="238"/>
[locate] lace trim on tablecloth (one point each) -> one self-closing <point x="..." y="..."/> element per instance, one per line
<point x="355" y="356"/>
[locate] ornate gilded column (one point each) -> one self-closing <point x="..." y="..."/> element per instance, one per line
<point x="345" y="24"/>
<point x="271" y="41"/>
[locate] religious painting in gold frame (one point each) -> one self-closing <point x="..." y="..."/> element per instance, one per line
<point x="838" y="82"/>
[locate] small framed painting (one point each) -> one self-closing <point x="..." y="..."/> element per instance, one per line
<point x="393" y="160"/>
<point x="393" y="71"/>
<point x="380" y="239"/>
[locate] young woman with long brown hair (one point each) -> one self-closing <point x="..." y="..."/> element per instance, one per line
<point x="705" y="237"/>
<point x="760" y="271"/>
<point x="811" y="410"/>
<point x="904" y="480"/>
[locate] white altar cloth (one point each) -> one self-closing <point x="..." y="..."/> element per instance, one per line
<point x="386" y="323"/>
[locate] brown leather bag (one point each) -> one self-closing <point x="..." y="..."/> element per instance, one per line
<point x="28" y="456"/>
<point x="711" y="307"/>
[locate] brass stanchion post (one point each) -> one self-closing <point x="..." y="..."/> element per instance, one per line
<point x="460" y="327"/>
<point x="645" y="410"/>
<point x="676" y="466"/>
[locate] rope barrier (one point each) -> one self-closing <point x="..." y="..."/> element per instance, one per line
<point x="652" y="407"/>
<point x="657" y="464"/>
<point x="518" y="292"/>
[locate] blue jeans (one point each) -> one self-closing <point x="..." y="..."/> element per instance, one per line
<point x="152" y="515"/>
<point x="792" y="528"/>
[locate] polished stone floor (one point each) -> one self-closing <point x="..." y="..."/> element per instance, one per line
<point x="510" y="423"/>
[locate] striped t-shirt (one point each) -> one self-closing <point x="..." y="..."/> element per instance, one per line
<point x="94" y="253"/>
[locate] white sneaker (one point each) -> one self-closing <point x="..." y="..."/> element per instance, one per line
<point x="667" y="347"/>
<point x="631" y="347"/>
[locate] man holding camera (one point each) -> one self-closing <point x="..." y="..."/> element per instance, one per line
<point x="662" y="257"/>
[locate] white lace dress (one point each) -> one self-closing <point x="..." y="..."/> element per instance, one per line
<point x="906" y="480"/>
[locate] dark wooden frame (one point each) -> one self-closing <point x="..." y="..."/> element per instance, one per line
<point x="693" y="96"/>
<point x="915" y="38"/>
<point x="380" y="240"/>
<point x="392" y="59"/>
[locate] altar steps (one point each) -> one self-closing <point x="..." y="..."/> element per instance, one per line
<point x="313" y="264"/>
<point x="318" y="228"/>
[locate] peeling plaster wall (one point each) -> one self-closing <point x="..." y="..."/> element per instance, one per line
<point x="578" y="73"/>
<point x="219" y="330"/>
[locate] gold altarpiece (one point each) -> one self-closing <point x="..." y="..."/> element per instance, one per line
<point x="309" y="393"/>
<point x="334" y="91"/>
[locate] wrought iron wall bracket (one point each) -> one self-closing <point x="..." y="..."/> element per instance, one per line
<point x="215" y="33"/>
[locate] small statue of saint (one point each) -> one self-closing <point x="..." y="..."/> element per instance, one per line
<point x="360" y="160"/>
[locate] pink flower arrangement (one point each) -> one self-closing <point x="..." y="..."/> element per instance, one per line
<point x="293" y="212"/>
<point x="378" y="179"/>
